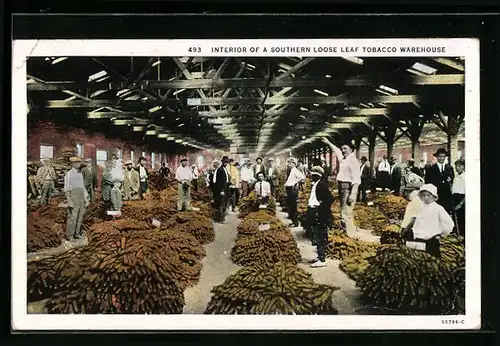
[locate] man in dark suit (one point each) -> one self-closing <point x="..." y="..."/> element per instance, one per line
<point x="395" y="176"/>
<point x="319" y="214"/>
<point x="220" y="188"/>
<point x="441" y="175"/>
<point x="365" y="179"/>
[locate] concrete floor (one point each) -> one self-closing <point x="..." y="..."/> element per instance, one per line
<point x="217" y="266"/>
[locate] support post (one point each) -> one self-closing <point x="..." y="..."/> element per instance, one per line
<point x="372" y="137"/>
<point x="357" y="144"/>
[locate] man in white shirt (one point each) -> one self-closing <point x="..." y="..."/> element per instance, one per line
<point x="431" y="223"/>
<point x="348" y="179"/>
<point x="77" y="199"/>
<point x="458" y="196"/>
<point x="247" y="178"/>
<point x="292" y="191"/>
<point x="143" y="176"/>
<point x="262" y="189"/>
<point x="183" y="176"/>
<point x="384" y="173"/>
<point x="46" y="177"/>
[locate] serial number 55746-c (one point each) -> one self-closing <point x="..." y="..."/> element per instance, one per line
<point x="452" y="321"/>
<point x="194" y="49"/>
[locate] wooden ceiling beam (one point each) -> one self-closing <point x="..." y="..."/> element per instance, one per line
<point x="229" y="83"/>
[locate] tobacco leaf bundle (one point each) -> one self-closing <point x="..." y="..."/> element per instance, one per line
<point x="147" y="210"/>
<point x="108" y="233"/>
<point x="390" y="235"/>
<point x="269" y="246"/>
<point x="452" y="250"/>
<point x="124" y="281"/>
<point x="392" y="206"/>
<point x="281" y="288"/>
<point x="408" y="281"/>
<point x="201" y="228"/>
<point x="369" y="218"/>
<point x="250" y="225"/>
<point x="43" y="233"/>
<point x="157" y="181"/>
<point x="355" y="266"/>
<point x="47" y="276"/>
<point x="341" y="246"/>
<point x="247" y="206"/>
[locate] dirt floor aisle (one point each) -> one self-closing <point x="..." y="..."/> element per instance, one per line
<point x="217" y="266"/>
<point x="345" y="300"/>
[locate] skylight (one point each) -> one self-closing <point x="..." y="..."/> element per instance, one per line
<point x="178" y="91"/>
<point x="423" y="68"/>
<point x="97" y="75"/>
<point x="304" y="109"/>
<point x="58" y="60"/>
<point x="353" y="59"/>
<point x="320" y="92"/>
<point x="388" y="89"/>
<point x="154" y="109"/>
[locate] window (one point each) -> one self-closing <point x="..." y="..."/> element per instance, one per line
<point x="459" y="154"/>
<point x="132" y="156"/>
<point x="201" y="161"/>
<point x="79" y="149"/>
<point x="101" y="157"/>
<point x="119" y="153"/>
<point x="153" y="159"/>
<point x="46" y="152"/>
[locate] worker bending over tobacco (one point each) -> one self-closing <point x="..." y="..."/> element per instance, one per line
<point x="46" y="175"/>
<point x="184" y="176"/>
<point x="431" y="223"/>
<point x="348" y="180"/>
<point x="77" y="198"/>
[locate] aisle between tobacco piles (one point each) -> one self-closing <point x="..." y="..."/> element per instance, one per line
<point x="217" y="266"/>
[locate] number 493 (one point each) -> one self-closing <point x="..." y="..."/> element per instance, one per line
<point x="194" y="50"/>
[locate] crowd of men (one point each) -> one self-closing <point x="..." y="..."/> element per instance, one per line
<point x="437" y="196"/>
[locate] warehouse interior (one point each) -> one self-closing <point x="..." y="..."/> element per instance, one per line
<point x="164" y="109"/>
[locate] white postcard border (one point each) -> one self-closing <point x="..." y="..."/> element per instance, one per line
<point x="22" y="49"/>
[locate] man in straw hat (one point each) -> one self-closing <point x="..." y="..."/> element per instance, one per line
<point x="431" y="223"/>
<point x="441" y="175"/>
<point x="143" y="176"/>
<point x="247" y="178"/>
<point x="319" y="216"/>
<point x="348" y="179"/>
<point x="184" y="176"/>
<point x="292" y="190"/>
<point x="77" y="198"/>
<point x="131" y="182"/>
<point x="273" y="173"/>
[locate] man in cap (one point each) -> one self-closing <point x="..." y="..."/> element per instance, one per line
<point x="441" y="175"/>
<point x="319" y="216"/>
<point x="247" y="178"/>
<point x="117" y="177"/>
<point x="235" y="184"/>
<point x="431" y="223"/>
<point x="262" y="189"/>
<point x="77" y="198"/>
<point x="131" y="182"/>
<point x="292" y="191"/>
<point x="348" y="180"/>
<point x="46" y="176"/>
<point x="90" y="178"/>
<point x="143" y="176"/>
<point x="195" y="174"/>
<point x="273" y="173"/>
<point x="184" y="176"/>
<point x="221" y="182"/>
<point x="396" y="172"/>
<point x="258" y="167"/>
<point x="365" y="179"/>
